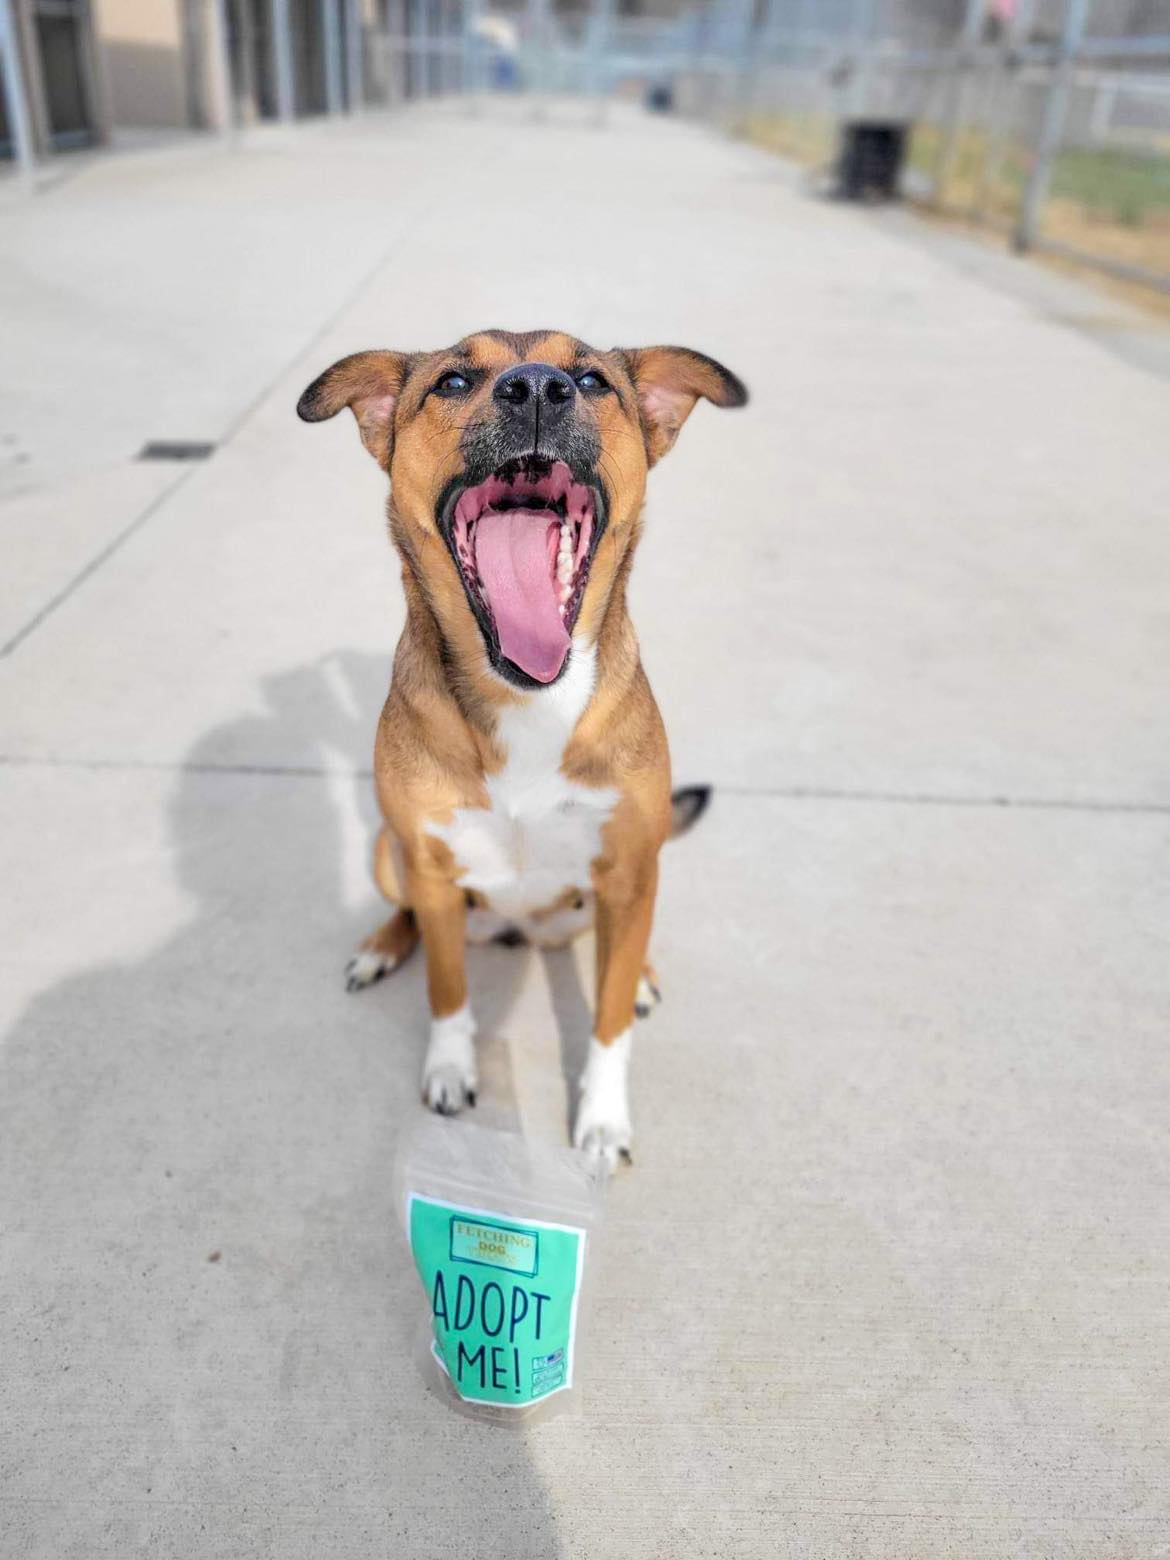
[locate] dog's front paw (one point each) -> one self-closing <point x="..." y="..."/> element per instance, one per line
<point x="448" y="1089"/>
<point x="602" y="1128"/>
<point x="449" y="1076"/>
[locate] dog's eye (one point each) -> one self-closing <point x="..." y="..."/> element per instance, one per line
<point x="591" y="380"/>
<point x="453" y="384"/>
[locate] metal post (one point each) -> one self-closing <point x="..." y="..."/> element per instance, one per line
<point x="763" y="60"/>
<point x="1052" y="128"/>
<point x="331" y="49"/>
<point x="434" y="46"/>
<point x="282" y="60"/>
<point x="417" y="12"/>
<point x="961" y="68"/>
<point x="864" y="29"/>
<point x="1002" y="105"/>
<point x="472" y="44"/>
<point x="537" y="11"/>
<point x="599" y="35"/>
<point x="742" y="77"/>
<point x="458" y="15"/>
<point x="355" y="42"/>
<point x="811" y="54"/>
<point x="450" y="33"/>
<point x="704" y="68"/>
<point x="221" y="93"/>
<point x="19" y="121"/>
<point x="467" y="17"/>
<point x="245" y="95"/>
<point x="95" y="85"/>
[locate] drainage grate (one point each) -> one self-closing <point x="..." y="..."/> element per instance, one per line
<point x="176" y="449"/>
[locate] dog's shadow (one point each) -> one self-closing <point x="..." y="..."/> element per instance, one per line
<point x="496" y="974"/>
<point x="574" y="1015"/>
<point x="199" y="1138"/>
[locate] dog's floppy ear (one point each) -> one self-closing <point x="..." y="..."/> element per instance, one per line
<point x="369" y="383"/>
<point x="669" y="381"/>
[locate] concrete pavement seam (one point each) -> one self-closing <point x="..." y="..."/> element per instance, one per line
<point x="778" y="793"/>
<point x="94" y="564"/>
<point x="942" y="799"/>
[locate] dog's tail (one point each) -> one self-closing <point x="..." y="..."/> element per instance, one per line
<point x="687" y="806"/>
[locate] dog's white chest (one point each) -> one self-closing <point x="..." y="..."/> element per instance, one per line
<point x="531" y="845"/>
<point x="541" y="832"/>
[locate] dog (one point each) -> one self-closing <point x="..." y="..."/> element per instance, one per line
<point x="521" y="762"/>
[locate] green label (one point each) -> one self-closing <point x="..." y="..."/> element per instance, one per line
<point x="503" y="1297"/>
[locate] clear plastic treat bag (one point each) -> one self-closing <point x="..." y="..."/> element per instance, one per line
<point x="502" y="1234"/>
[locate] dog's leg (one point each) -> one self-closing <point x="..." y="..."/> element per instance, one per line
<point x="392" y="943"/>
<point x="383" y="951"/>
<point x="449" y="1077"/>
<point x="625" y="908"/>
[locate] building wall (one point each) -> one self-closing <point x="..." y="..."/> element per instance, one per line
<point x="141" y="43"/>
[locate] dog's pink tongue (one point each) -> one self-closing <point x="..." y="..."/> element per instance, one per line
<point x="515" y="553"/>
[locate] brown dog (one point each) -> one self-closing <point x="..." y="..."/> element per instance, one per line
<point x="521" y="762"/>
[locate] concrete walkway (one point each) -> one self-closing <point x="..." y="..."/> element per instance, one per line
<point x="890" y="1276"/>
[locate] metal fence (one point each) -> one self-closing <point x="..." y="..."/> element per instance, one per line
<point x="1043" y="120"/>
<point x="1048" y="119"/>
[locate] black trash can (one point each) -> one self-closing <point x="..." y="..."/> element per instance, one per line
<point x="869" y="166"/>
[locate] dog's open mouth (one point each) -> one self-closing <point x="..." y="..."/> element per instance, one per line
<point x="524" y="539"/>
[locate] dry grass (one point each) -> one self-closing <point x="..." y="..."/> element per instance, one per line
<point x="1111" y="204"/>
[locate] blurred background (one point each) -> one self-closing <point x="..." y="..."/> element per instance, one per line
<point x="1047" y="119"/>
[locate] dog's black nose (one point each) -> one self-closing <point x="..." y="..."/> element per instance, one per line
<point x="534" y="386"/>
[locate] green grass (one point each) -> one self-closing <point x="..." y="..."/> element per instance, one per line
<point x="1126" y="187"/>
<point x="1122" y="186"/>
<point x="966" y="171"/>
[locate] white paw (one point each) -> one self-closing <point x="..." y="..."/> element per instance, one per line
<point x="449" y="1077"/>
<point x="647" y="997"/>
<point x="602" y="1128"/>
<point x="366" y="967"/>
